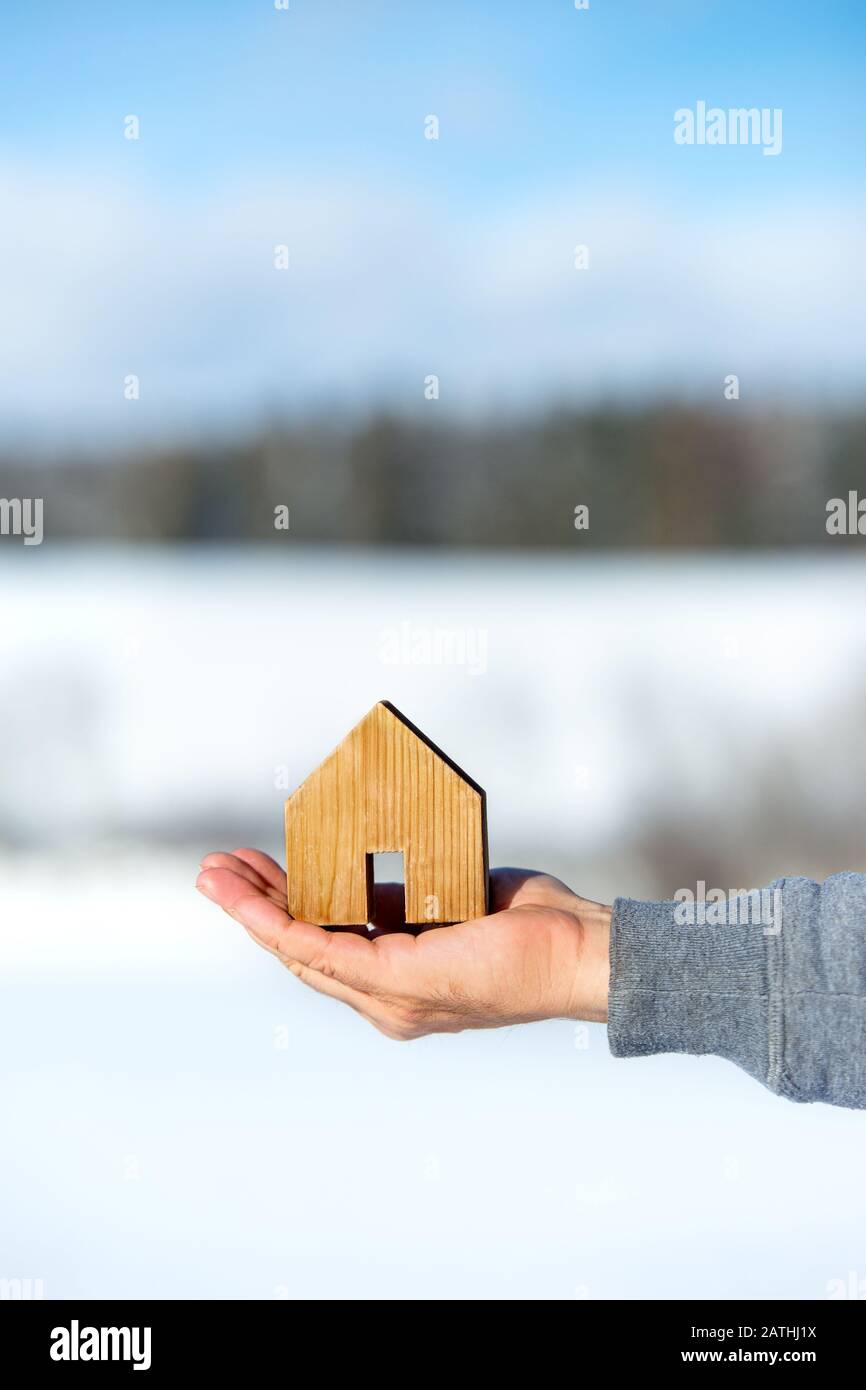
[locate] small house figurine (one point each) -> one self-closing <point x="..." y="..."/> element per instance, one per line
<point x="386" y="788"/>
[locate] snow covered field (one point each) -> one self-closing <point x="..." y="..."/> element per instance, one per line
<point x="162" y="692"/>
<point x="179" y="1117"/>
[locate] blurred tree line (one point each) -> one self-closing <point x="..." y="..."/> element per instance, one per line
<point x="665" y="476"/>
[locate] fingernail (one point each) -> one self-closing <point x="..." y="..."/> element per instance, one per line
<point x="204" y="891"/>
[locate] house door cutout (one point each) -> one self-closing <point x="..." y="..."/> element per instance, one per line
<point x="388" y="868"/>
<point x="383" y="868"/>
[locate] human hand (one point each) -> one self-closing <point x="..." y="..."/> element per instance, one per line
<point x="542" y="952"/>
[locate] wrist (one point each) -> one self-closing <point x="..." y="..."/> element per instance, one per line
<point x="591" y="981"/>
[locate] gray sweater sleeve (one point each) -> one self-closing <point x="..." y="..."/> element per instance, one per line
<point x="784" y="997"/>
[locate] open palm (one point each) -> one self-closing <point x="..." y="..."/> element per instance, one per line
<point x="542" y="952"/>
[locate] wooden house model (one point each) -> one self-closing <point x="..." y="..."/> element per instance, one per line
<point x="386" y="787"/>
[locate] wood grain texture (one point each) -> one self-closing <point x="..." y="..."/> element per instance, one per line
<point x="386" y="787"/>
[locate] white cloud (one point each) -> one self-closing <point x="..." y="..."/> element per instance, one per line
<point x="386" y="286"/>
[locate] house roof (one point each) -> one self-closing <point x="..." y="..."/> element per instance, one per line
<point x="413" y="729"/>
<point x="419" y="734"/>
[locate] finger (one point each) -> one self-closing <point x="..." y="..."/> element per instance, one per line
<point x="219" y="859"/>
<point x="519" y="887"/>
<point x="363" y="1004"/>
<point x="345" y="956"/>
<point x="264" y="865"/>
<point x="243" y="870"/>
<point x="504" y="884"/>
<point x="227" y="883"/>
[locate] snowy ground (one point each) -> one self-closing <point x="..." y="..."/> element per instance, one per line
<point x="179" y="1117"/>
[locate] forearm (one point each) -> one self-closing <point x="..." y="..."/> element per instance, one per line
<point x="785" y="999"/>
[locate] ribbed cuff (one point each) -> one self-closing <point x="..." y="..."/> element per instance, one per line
<point x="697" y="989"/>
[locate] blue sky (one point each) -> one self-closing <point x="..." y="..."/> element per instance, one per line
<point x="306" y="127"/>
<point x="527" y="91"/>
